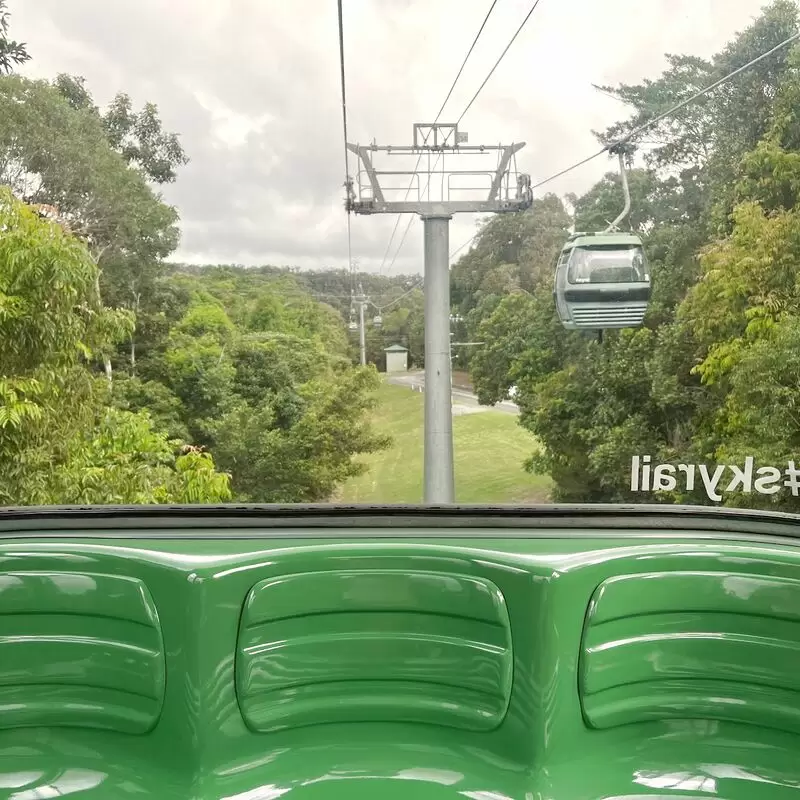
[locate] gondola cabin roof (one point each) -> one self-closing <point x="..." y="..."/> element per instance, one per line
<point x="601" y="239"/>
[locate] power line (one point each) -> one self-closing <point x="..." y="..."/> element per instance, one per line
<point x="650" y="123"/>
<point x="398" y="299"/>
<point x="697" y="95"/>
<point x="462" y="246"/>
<point x="344" y="128"/>
<point x="402" y="239"/>
<point x="394" y="232"/>
<point x="350" y="251"/>
<point x="469" y="105"/>
<point x="502" y="56"/>
<point x="466" y="58"/>
<point x="344" y="90"/>
<point x="419" y="157"/>
<point x="570" y="169"/>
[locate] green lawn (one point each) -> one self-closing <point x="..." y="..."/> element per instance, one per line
<point x="490" y="448"/>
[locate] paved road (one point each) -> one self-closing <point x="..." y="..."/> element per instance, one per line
<point x="464" y="402"/>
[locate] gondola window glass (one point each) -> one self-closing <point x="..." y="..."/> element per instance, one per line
<point x="609" y="264"/>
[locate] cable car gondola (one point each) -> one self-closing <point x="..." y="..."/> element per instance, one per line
<point x="602" y="280"/>
<point x="377" y="321"/>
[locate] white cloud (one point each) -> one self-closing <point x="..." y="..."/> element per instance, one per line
<point x="253" y="87"/>
<point x="230" y="127"/>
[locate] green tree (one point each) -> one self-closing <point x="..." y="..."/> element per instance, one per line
<point x="761" y="414"/>
<point x="54" y="154"/>
<point x="749" y="283"/>
<point x="529" y="241"/>
<point x="124" y="460"/>
<point x="723" y="124"/>
<point x="58" y="441"/>
<point x="12" y="53"/>
<point x="523" y="342"/>
<point x="304" y="455"/>
<point x="138" y="136"/>
<point x="141" y="140"/>
<point x="164" y="407"/>
<point x="258" y="372"/>
<point x="710" y="378"/>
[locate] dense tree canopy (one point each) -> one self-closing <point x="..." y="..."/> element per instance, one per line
<point x="247" y="365"/>
<point x="60" y="157"/>
<point x="712" y="376"/>
<point x="59" y="441"/>
<point x="124" y="379"/>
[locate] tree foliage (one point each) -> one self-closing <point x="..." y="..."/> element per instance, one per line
<point x="125" y="460"/>
<point x="60" y="158"/>
<point x="12" y="53"/>
<point x="138" y="136"/>
<point x="247" y="365"/>
<point x="59" y="441"/>
<point x="712" y="376"/>
<point x="250" y="368"/>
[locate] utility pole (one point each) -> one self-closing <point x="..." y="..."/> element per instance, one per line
<point x="442" y="140"/>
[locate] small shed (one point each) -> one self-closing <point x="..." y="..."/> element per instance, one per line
<point x="396" y="358"/>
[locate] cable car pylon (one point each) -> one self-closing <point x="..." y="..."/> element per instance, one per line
<point x="500" y="193"/>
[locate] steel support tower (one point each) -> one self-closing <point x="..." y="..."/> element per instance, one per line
<point x="500" y="194"/>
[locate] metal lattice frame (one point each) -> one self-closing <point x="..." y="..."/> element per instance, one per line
<point x="440" y="139"/>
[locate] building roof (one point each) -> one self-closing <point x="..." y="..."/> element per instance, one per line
<point x="395" y="348"/>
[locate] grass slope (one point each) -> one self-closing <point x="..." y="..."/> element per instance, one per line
<point x="490" y="449"/>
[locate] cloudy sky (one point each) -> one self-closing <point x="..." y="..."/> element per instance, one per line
<point x="252" y="86"/>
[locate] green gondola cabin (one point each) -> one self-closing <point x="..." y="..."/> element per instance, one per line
<point x="602" y="281"/>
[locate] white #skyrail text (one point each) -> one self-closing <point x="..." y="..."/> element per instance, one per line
<point x="715" y="480"/>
